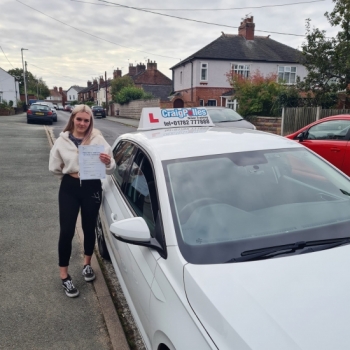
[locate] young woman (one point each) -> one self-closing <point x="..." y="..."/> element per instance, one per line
<point x="75" y="194"/>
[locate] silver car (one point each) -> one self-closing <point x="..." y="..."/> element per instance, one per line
<point x="227" y="117"/>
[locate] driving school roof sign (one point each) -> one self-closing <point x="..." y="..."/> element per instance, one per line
<point x="156" y="118"/>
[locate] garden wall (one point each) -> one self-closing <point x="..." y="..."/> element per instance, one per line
<point x="268" y="124"/>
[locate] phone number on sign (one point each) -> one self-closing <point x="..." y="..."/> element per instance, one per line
<point x="188" y="122"/>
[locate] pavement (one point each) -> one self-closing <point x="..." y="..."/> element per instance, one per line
<point x="35" y="313"/>
<point x="125" y="121"/>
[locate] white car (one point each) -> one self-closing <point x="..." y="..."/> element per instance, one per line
<point x="227" y="238"/>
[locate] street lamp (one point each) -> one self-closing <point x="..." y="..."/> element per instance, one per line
<point x="24" y="78"/>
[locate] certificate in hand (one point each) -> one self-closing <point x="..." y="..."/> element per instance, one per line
<point x="90" y="164"/>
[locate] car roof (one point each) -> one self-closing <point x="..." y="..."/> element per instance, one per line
<point x="178" y="143"/>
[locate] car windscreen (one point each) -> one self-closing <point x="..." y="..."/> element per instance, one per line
<point x="227" y="204"/>
<point x="96" y="107"/>
<point x="219" y="115"/>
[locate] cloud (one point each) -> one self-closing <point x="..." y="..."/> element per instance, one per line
<point x="63" y="56"/>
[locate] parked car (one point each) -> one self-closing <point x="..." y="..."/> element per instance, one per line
<point x="224" y="238"/>
<point x="328" y="137"/>
<point x="50" y="104"/>
<point x="39" y="113"/>
<point x="60" y="106"/>
<point x="226" y="117"/>
<point x="68" y="108"/>
<point x="98" y="112"/>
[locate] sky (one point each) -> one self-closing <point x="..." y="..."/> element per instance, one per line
<point x="72" y="41"/>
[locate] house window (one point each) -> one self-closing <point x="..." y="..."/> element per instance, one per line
<point x="1" y="97"/>
<point x="233" y="104"/>
<point x="241" y="69"/>
<point x="201" y="102"/>
<point x="204" y="71"/>
<point x="181" y="78"/>
<point x="211" y="102"/>
<point x="287" y="74"/>
<point x="69" y="97"/>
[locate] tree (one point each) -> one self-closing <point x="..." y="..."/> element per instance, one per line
<point x="131" y="93"/>
<point x="327" y="59"/>
<point x="258" y="94"/>
<point x="117" y="84"/>
<point x="35" y="86"/>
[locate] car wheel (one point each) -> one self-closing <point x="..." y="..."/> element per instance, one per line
<point x="55" y="120"/>
<point x="101" y="243"/>
<point x="28" y="121"/>
<point x="50" y="122"/>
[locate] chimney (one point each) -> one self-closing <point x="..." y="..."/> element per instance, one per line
<point x="55" y="88"/>
<point x="95" y="82"/>
<point x="117" y="73"/>
<point x="140" y="68"/>
<point x="60" y="89"/>
<point x="89" y="83"/>
<point x="151" y="65"/>
<point x="101" y="80"/>
<point x="246" y="29"/>
<point x="132" y="70"/>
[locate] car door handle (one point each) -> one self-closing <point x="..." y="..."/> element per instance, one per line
<point x="114" y="217"/>
<point x="334" y="149"/>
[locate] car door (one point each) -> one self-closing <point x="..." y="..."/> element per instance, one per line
<point x="114" y="204"/>
<point x="329" y="139"/>
<point x="140" y="193"/>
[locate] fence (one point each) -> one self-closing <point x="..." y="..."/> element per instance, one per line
<point x="294" y="119"/>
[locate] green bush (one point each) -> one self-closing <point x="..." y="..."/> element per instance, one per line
<point x="129" y="93"/>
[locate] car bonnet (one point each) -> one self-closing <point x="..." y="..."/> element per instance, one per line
<point x="294" y="302"/>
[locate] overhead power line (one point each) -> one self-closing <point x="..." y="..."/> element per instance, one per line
<point x="95" y="36"/>
<point x="6" y="57"/>
<point x="191" y="20"/>
<point x="213" y="9"/>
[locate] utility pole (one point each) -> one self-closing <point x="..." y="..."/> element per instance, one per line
<point x="106" y="93"/>
<point x="24" y="78"/>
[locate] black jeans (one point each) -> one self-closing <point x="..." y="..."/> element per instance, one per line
<point x="71" y="197"/>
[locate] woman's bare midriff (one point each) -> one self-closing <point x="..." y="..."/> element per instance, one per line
<point x="76" y="175"/>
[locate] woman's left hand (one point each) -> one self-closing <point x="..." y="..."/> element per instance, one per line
<point x="105" y="158"/>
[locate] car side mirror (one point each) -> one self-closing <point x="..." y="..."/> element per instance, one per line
<point x="133" y="230"/>
<point x="301" y="136"/>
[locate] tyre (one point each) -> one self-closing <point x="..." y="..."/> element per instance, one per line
<point x="28" y="121"/>
<point x="101" y="243"/>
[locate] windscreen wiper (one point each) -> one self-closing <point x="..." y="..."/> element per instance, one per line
<point x="311" y="246"/>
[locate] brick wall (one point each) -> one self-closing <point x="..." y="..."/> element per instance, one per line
<point x="203" y="93"/>
<point x="133" y="109"/>
<point x="268" y="124"/>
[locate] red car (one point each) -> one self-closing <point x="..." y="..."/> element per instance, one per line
<point x="328" y="137"/>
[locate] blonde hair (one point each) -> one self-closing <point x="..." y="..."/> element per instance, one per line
<point x="70" y="125"/>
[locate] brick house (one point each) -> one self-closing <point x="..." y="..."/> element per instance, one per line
<point x="149" y="78"/>
<point x="200" y="79"/>
<point x="57" y="95"/>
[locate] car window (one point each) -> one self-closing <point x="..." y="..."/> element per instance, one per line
<point x="35" y="107"/>
<point x="122" y="156"/>
<point x="329" y="130"/>
<point x="140" y="190"/>
<point x="224" y="115"/>
<point x="225" y="204"/>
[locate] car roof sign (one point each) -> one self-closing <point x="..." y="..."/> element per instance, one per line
<point x="157" y="118"/>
